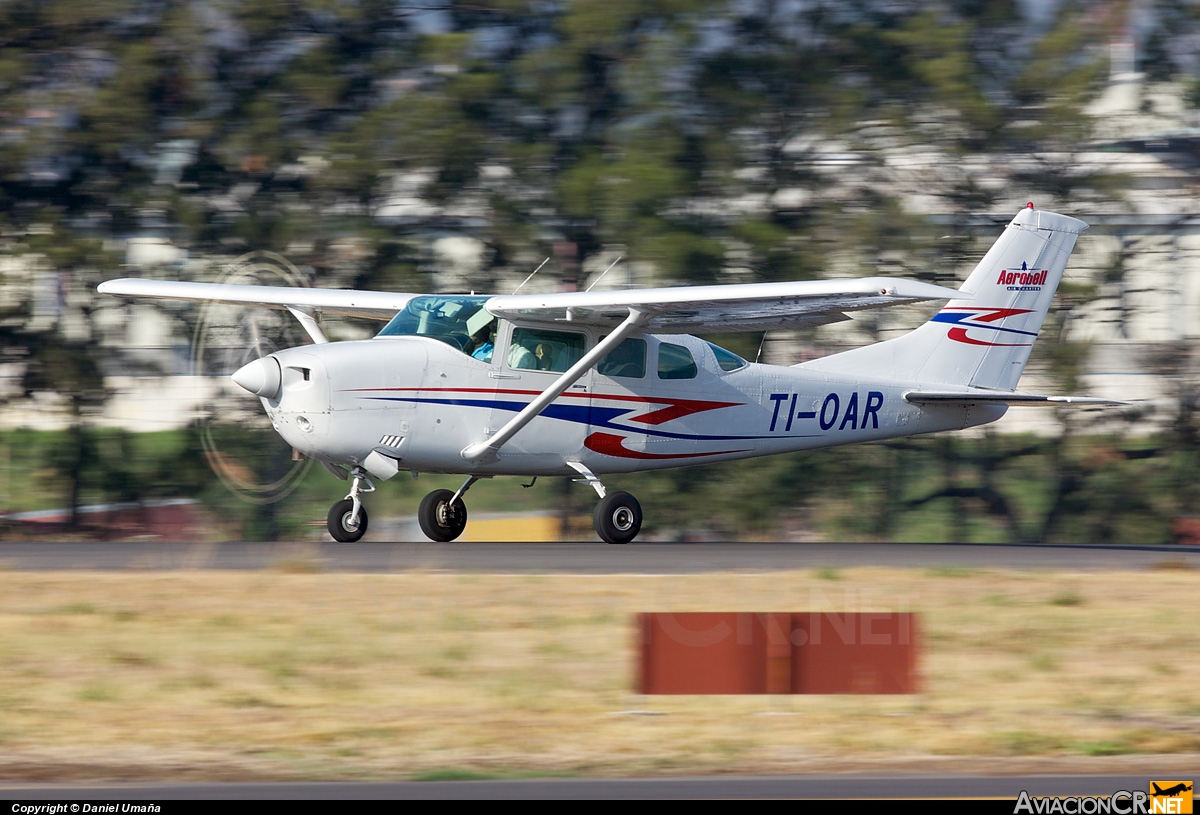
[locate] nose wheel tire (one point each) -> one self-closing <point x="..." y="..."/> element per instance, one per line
<point x="618" y="518"/>
<point x="339" y="522"/>
<point x="441" y="521"/>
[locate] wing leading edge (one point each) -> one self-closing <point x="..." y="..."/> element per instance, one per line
<point x="677" y="310"/>
<point x="372" y="305"/>
<point x="744" y="307"/>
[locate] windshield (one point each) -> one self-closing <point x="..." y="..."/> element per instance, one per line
<point x="452" y="319"/>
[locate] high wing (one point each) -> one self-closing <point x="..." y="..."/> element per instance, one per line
<point x="1007" y="397"/>
<point x="738" y="307"/>
<point x="679" y="310"/>
<point x="676" y="310"/>
<point x="371" y="305"/>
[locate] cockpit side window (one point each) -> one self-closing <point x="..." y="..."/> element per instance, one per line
<point x="536" y="349"/>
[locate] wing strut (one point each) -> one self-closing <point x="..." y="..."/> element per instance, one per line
<point x="310" y="324"/>
<point x="481" y="449"/>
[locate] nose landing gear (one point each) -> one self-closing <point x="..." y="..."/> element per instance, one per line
<point x="347" y="520"/>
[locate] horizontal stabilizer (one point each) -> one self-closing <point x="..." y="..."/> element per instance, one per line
<point x="1021" y="399"/>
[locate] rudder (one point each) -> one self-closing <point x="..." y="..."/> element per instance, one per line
<point x="982" y="339"/>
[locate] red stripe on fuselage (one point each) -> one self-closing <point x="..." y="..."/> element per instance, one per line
<point x="609" y="444"/>
<point x="678" y="409"/>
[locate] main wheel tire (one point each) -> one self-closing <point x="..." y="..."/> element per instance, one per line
<point x="618" y="518"/>
<point x="339" y="522"/>
<point x="439" y="520"/>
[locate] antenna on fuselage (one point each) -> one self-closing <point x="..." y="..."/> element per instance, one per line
<point x="602" y="274"/>
<point x="531" y="274"/>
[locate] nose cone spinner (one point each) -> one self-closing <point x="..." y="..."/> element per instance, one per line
<point x="261" y="377"/>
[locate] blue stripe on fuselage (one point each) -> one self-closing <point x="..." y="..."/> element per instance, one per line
<point x="598" y="417"/>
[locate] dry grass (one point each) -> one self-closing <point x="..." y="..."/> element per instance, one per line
<point x="292" y="674"/>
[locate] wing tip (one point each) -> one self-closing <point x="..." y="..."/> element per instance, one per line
<point x="117" y="285"/>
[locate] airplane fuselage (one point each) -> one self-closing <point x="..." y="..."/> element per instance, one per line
<point x="421" y="402"/>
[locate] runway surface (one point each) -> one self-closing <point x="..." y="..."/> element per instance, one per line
<point x="835" y="787"/>
<point x="589" y="558"/>
<point x="580" y="558"/>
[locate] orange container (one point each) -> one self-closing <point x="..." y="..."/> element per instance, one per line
<point x="777" y="652"/>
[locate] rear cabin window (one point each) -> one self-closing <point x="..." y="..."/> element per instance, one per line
<point x="675" y="362"/>
<point x="627" y="359"/>
<point x="728" y="360"/>
<point x="533" y="349"/>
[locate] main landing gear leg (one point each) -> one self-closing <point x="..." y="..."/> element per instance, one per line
<point x="443" y="515"/>
<point x="618" y="516"/>
<point x="347" y="521"/>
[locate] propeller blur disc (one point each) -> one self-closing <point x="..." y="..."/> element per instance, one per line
<point x="239" y="445"/>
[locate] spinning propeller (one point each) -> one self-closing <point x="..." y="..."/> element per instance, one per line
<point x="250" y="460"/>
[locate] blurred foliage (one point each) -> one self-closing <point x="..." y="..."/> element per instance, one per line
<point x="607" y="118"/>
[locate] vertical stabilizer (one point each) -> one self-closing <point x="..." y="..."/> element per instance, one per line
<point x="983" y="338"/>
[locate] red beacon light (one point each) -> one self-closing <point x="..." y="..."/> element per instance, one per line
<point x="1029" y="205"/>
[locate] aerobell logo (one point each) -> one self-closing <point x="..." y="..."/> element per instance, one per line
<point x="1163" y="798"/>
<point x="1023" y="280"/>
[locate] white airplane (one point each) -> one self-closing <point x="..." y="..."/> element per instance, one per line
<point x="588" y="384"/>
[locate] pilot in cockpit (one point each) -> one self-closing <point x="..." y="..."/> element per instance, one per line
<point x="483" y="342"/>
